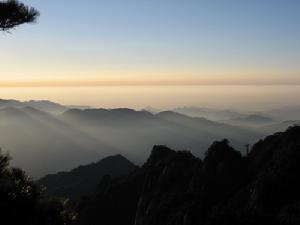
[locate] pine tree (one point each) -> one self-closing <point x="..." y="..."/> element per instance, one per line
<point x="14" y="13"/>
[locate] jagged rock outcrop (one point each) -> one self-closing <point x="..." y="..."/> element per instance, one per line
<point x="169" y="190"/>
<point x="176" y="188"/>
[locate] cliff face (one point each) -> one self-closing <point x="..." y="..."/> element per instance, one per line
<point x="274" y="163"/>
<point x="170" y="187"/>
<point x="176" y="188"/>
<point x="181" y="188"/>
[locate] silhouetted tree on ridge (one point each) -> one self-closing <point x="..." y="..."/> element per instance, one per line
<point x="23" y="202"/>
<point x="14" y="13"/>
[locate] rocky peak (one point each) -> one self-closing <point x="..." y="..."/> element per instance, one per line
<point x="176" y="188"/>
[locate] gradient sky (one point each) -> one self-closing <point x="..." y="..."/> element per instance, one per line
<point x="78" y="39"/>
<point x="157" y="42"/>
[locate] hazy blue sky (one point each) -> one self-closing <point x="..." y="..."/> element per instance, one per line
<point x="157" y="37"/>
<point x="155" y="42"/>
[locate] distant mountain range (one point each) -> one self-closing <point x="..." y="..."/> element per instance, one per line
<point x="277" y="114"/>
<point x="209" y="113"/>
<point x="42" y="135"/>
<point x="285" y="113"/>
<point x="41" y="143"/>
<point x="43" y="105"/>
<point x="253" y="120"/>
<point x="132" y="132"/>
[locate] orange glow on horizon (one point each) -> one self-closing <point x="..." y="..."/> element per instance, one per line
<point x="151" y="81"/>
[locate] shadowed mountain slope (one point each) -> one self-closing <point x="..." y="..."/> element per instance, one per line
<point x="83" y="180"/>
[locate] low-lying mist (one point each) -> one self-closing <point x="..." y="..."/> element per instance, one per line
<point x="42" y="140"/>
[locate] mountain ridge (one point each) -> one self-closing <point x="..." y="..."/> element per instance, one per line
<point x="175" y="187"/>
<point x="84" y="179"/>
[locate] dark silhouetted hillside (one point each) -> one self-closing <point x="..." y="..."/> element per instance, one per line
<point x="83" y="180"/>
<point x="23" y="202"/>
<point x="224" y="188"/>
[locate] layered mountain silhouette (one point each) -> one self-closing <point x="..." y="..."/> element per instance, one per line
<point x="52" y="132"/>
<point x="175" y="187"/>
<point x="209" y="113"/>
<point x="222" y="185"/>
<point x="43" y="105"/>
<point x="83" y="180"/>
<point x="132" y="132"/>
<point x="41" y="143"/>
<point x="285" y="113"/>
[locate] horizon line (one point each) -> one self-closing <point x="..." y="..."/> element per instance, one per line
<point x="22" y="85"/>
<point x="151" y="81"/>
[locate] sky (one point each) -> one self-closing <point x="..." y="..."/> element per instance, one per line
<point x="140" y="43"/>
